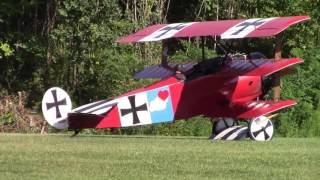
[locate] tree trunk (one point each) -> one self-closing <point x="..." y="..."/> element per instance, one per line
<point x="51" y="8"/>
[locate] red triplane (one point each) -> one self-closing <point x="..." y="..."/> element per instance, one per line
<point x="226" y="88"/>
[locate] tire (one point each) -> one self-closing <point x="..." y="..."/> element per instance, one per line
<point x="222" y="124"/>
<point x="261" y="129"/>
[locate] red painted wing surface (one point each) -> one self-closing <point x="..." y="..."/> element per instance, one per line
<point x="227" y="29"/>
<point x="259" y="67"/>
<point x="251" y="109"/>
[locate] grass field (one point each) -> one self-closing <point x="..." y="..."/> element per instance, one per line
<point x="120" y="157"/>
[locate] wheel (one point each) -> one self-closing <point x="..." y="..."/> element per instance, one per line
<point x="222" y="124"/>
<point x="261" y="129"/>
<point x="232" y="133"/>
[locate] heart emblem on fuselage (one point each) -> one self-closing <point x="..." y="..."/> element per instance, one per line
<point x="163" y="95"/>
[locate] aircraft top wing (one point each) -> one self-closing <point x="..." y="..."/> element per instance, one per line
<point x="227" y="29"/>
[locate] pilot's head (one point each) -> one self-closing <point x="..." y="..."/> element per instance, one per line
<point x="180" y="68"/>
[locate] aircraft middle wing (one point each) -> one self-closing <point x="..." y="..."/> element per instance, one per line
<point x="227" y="29"/>
<point x="158" y="71"/>
<point x="258" y="67"/>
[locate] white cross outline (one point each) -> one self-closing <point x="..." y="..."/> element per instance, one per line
<point x="166" y="32"/>
<point x="241" y="31"/>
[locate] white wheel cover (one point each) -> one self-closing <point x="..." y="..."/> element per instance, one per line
<point x="261" y="129"/>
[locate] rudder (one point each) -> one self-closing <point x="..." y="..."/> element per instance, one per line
<point x="56" y="104"/>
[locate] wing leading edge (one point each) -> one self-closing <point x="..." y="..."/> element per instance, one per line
<point x="227" y="29"/>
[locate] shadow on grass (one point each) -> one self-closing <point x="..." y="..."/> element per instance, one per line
<point x="138" y="137"/>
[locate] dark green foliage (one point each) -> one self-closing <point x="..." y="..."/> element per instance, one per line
<point x="303" y="119"/>
<point x="71" y="44"/>
<point x="6" y="119"/>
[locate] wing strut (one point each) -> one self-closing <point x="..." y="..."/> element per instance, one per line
<point x="277" y="57"/>
<point x="202" y="44"/>
<point x="164" y="56"/>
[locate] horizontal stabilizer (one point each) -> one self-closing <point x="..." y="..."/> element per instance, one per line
<point x="96" y="108"/>
<point x="91" y="115"/>
<point x="83" y="120"/>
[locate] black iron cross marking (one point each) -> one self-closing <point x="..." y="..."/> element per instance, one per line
<point x="134" y="109"/>
<point x="263" y="129"/>
<point x="247" y="24"/>
<point x="168" y="28"/>
<point x="56" y="103"/>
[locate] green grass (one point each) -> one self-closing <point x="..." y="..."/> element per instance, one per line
<point x="120" y="157"/>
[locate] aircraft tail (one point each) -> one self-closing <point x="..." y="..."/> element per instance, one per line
<point x="56" y="104"/>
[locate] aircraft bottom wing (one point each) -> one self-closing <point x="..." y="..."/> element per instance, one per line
<point x="249" y="109"/>
<point x="259" y="108"/>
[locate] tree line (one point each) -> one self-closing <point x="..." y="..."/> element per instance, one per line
<point x="71" y="44"/>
